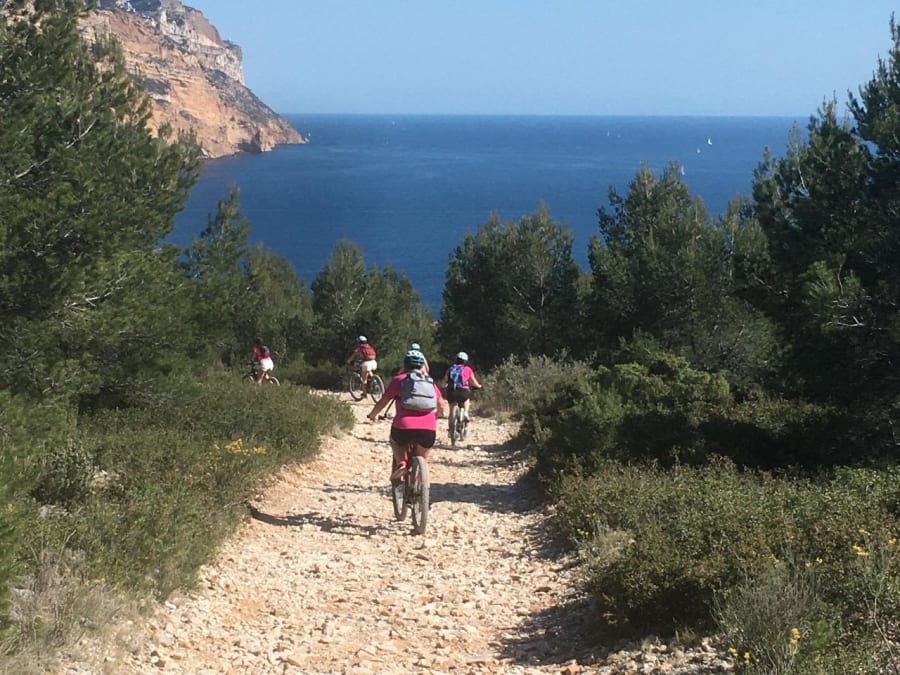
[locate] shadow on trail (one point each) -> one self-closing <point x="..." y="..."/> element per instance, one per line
<point x="324" y="523"/>
<point x="557" y="635"/>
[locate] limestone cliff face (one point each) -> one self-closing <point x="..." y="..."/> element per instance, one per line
<point x="193" y="77"/>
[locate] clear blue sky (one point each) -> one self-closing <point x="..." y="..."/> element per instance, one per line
<point x="595" y="57"/>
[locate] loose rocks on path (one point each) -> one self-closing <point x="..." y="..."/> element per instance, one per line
<point x="322" y="579"/>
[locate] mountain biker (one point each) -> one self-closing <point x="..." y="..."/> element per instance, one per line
<point x="415" y="347"/>
<point x="263" y="356"/>
<point x="364" y="355"/>
<point x="409" y="425"/>
<point x="460" y="380"/>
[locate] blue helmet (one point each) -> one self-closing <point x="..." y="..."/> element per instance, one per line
<point x="413" y="359"/>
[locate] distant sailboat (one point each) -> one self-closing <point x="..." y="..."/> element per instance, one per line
<point x="682" y="169"/>
<point x="709" y="141"/>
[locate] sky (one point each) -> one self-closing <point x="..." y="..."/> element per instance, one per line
<point x="564" y="57"/>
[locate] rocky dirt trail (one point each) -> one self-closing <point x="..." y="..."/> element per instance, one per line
<point x="322" y="579"/>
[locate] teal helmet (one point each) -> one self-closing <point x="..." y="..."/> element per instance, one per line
<point x="413" y="359"/>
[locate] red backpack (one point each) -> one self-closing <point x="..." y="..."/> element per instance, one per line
<point x="367" y="351"/>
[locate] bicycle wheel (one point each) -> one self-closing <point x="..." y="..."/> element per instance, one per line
<point x="463" y="426"/>
<point x="271" y="379"/>
<point x="355" y="387"/>
<point x="376" y="387"/>
<point x="453" y="431"/>
<point x="419" y="489"/>
<point x="398" y="488"/>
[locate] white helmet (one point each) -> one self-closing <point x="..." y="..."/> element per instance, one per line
<point x="415" y="346"/>
<point x="462" y="356"/>
<point x="361" y="338"/>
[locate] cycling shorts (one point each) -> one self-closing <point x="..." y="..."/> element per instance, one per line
<point x="460" y="395"/>
<point x="403" y="437"/>
<point x="266" y="364"/>
<point x="370" y="365"/>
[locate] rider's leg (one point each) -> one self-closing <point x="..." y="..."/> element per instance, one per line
<point x="399" y="452"/>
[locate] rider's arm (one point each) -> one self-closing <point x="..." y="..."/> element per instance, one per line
<point x="474" y="381"/>
<point x="382" y="403"/>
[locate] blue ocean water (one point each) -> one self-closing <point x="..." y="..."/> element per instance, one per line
<point x="405" y="189"/>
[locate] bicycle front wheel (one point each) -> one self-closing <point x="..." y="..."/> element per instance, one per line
<point x="355" y="387"/>
<point x="376" y="387"/>
<point x="398" y="488"/>
<point x="419" y="490"/>
<point x="271" y="379"/>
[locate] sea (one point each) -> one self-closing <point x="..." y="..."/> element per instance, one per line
<point x="406" y="188"/>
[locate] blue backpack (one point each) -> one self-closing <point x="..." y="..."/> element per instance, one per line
<point x="455" y="376"/>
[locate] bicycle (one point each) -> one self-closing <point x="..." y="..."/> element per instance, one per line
<point x="410" y="494"/>
<point x="459" y="425"/>
<point x="253" y="375"/>
<point x="374" y="387"/>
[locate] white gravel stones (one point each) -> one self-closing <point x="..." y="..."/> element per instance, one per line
<point x="322" y="579"/>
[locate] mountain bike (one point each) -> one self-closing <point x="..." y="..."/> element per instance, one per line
<point x="254" y="373"/>
<point x="374" y="387"/>
<point x="410" y="494"/>
<point x="459" y="425"/>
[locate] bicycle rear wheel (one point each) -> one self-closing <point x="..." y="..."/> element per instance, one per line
<point x="419" y="490"/>
<point x="454" y="414"/>
<point x="355" y="387"/>
<point x="376" y="387"/>
<point x="271" y="379"/>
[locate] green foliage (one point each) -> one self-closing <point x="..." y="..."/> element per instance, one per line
<point x="776" y="623"/>
<point x="656" y="407"/>
<point x="86" y="194"/>
<point x="520" y="387"/>
<point x="214" y="267"/>
<point x="662" y="269"/>
<point x="828" y="210"/>
<point x="663" y="548"/>
<point x="348" y="301"/>
<point x="64" y="475"/>
<point x="9" y="540"/>
<point x="172" y="479"/>
<point x="511" y="289"/>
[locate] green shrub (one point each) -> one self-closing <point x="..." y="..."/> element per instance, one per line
<point x="520" y="386"/>
<point x="165" y="483"/>
<point x="65" y="473"/>
<point x="776" y="622"/>
<point x="655" y="409"/>
<point x="693" y="534"/>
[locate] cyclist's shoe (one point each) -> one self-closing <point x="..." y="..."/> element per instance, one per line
<point x="399" y="472"/>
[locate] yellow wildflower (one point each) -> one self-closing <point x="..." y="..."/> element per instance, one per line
<point x="747" y="657"/>
<point x="795" y="636"/>
<point x="892" y="541"/>
<point x="732" y="651"/>
<point x="864" y="532"/>
<point x="860" y="551"/>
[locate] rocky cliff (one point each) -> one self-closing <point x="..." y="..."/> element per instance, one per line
<point x="193" y="77"/>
